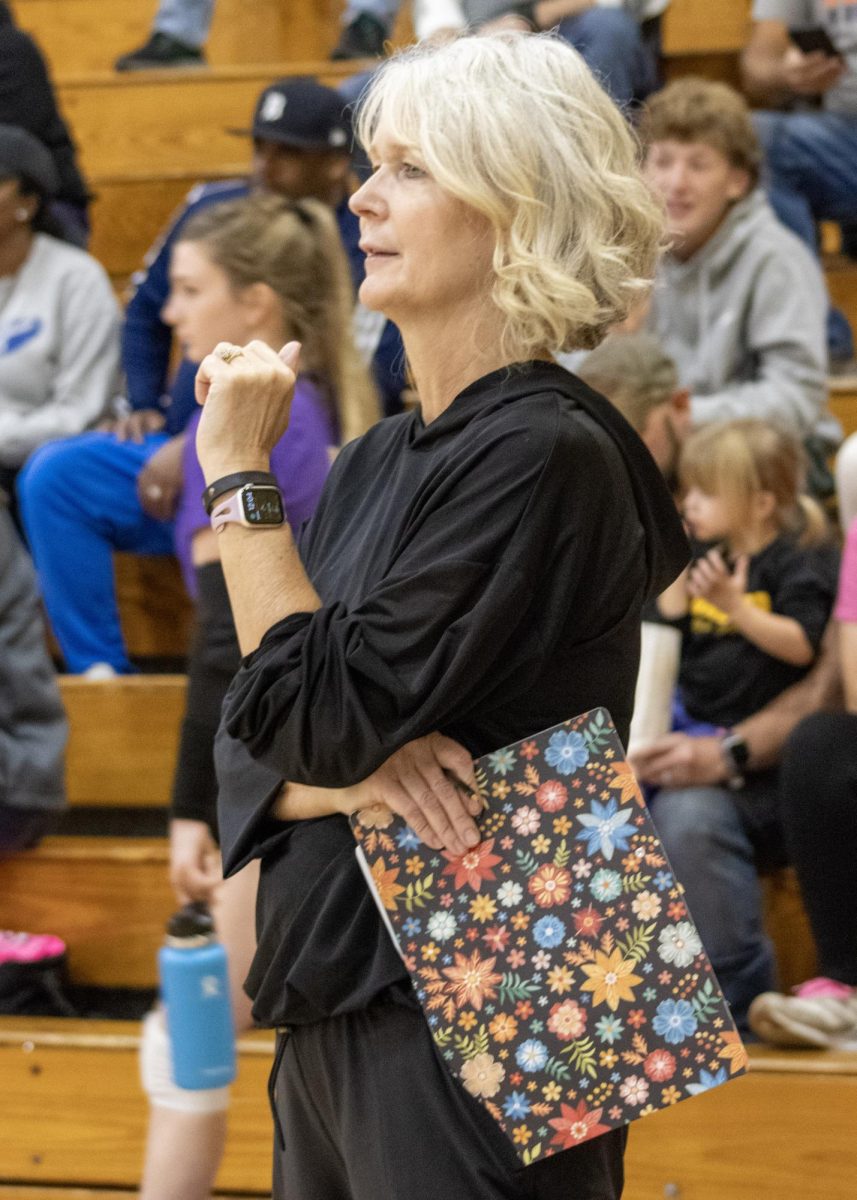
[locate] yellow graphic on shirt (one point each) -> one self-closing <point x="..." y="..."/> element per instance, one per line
<point x="706" y="617"/>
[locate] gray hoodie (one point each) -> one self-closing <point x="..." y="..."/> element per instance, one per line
<point x="33" y="726"/>
<point x="744" y="320"/>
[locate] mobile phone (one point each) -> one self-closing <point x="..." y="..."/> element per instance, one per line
<point x="812" y="40"/>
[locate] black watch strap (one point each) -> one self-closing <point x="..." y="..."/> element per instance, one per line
<point x="227" y="483"/>
<point x="737" y="755"/>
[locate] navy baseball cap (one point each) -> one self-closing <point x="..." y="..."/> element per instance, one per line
<point x="301" y="113"/>
<point x="23" y="156"/>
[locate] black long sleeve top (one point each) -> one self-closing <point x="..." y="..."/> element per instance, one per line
<point x="482" y="575"/>
<point x="27" y="99"/>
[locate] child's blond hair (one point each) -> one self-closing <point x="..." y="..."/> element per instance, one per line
<point x="738" y="459"/>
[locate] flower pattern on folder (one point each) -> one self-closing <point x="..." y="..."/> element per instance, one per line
<point x="559" y="969"/>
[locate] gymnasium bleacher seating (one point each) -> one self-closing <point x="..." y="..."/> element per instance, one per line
<point x="72" y="1116"/>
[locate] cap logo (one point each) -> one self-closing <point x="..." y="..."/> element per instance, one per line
<point x="337" y="137"/>
<point x="273" y="106"/>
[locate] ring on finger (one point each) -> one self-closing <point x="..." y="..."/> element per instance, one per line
<point x="229" y="353"/>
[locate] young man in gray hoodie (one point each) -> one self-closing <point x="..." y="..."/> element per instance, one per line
<point x="739" y="302"/>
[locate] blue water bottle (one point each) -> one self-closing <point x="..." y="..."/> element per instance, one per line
<point x="195" y="991"/>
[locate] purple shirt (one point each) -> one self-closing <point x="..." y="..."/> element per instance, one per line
<point x="846" y="601"/>
<point x="300" y="461"/>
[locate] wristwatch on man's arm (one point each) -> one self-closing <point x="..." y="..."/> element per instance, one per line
<point x="736" y="758"/>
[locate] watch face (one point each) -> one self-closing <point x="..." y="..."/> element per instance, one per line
<point x="262" y="505"/>
<point x="737" y="749"/>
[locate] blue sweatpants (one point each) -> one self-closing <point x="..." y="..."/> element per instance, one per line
<point x="78" y="502"/>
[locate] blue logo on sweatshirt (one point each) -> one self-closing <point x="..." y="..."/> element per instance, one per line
<point x="18" y="332"/>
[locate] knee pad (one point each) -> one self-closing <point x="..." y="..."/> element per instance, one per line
<point x="156" y="1074"/>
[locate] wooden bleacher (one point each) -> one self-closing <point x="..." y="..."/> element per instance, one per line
<point x="72" y="1116"/>
<point x="718" y="1147"/>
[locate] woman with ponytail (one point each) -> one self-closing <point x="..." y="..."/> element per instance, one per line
<point x="268" y="271"/>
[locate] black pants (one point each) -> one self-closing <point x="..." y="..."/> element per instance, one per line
<point x="364" y="1109"/>
<point x="214" y="659"/>
<point x="818" y="782"/>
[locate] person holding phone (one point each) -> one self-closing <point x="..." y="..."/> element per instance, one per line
<point x="800" y="52"/>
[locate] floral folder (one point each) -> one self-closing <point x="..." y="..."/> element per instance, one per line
<point x="559" y="969"/>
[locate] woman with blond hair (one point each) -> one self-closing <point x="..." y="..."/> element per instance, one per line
<point x="269" y="269"/>
<point x="474" y="573"/>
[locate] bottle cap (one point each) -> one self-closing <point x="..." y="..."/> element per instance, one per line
<point x="192" y="921"/>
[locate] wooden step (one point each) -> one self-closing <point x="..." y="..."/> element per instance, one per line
<point x="843" y="404"/>
<point x="156" y="612"/>
<point x="108" y="898"/>
<point x="841" y="275"/>
<point x="788" y="927"/>
<point x="784" y="1131"/>
<point x="691" y="27"/>
<point x="129" y="215"/>
<point x="24" y="1192"/>
<point x="89" y="35"/>
<point x="123" y="739"/>
<point x="167" y="123"/>
<point x="72" y="1111"/>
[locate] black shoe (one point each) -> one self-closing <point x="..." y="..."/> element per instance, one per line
<point x="363" y="38"/>
<point x="161" y="50"/>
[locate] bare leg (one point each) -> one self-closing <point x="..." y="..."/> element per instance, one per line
<point x="183" y="1150"/>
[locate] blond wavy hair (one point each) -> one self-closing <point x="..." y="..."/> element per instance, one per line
<point x="295" y="248"/>
<point x="516" y="126"/>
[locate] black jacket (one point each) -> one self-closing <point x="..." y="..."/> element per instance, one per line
<point x="27" y="99"/>
<point x="483" y="576"/>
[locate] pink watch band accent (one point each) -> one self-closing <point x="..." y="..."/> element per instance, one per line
<point x="226" y="512"/>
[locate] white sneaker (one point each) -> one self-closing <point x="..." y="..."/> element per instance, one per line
<point x="99" y="672"/>
<point x="824" y="1017"/>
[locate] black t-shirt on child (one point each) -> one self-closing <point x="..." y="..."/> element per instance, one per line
<point x="723" y="677"/>
<point x="482" y="575"/>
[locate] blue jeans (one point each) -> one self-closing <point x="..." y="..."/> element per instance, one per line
<point x="811" y="161"/>
<point x="610" y="41"/>
<point x="78" y="501"/>
<point x="187" y="21"/>
<point x="714" y="855"/>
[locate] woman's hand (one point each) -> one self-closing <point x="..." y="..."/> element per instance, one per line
<point x="429" y="782"/>
<point x="160" y="481"/>
<point x="195" y="869"/>
<point x="417" y="782"/>
<point x="247" y="395"/>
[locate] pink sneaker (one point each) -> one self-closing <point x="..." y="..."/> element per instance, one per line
<point x="29" y="947"/>
<point x="823" y="987"/>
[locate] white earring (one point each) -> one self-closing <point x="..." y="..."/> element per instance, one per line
<point x="22" y="214"/>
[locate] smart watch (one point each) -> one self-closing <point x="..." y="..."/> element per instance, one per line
<point x="255" y="506"/>
<point x="736" y="754"/>
<point x="227" y="482"/>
